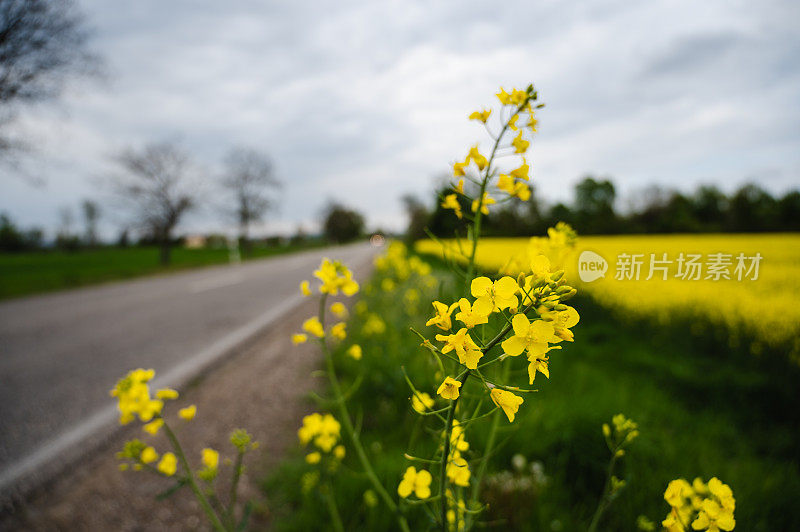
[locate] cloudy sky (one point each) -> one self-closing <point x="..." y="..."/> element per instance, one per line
<point x="365" y="101"/>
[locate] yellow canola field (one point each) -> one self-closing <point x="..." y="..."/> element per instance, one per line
<point x="766" y="309"/>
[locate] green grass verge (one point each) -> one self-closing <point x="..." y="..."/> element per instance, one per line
<point x="30" y="273"/>
<point x="703" y="410"/>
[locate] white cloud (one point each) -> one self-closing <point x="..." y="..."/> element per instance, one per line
<point x="364" y="101"/>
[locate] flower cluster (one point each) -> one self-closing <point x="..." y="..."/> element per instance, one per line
<point x="334" y="276"/>
<point x="133" y="399"/>
<point x="323" y="431"/>
<point x="699" y="506"/>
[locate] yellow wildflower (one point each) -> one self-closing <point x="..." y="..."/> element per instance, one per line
<point x="416" y="482"/>
<point x="563" y="321"/>
<point x="313" y="326"/>
<point x="474" y="314"/>
<point x="338" y="331"/>
<point x="483" y="203"/>
<point x="442" y="318"/>
<point x="134" y="399"/>
<point x="305" y="288"/>
<point x="512" y="122"/>
<point x="451" y="202"/>
<point x="167" y="393"/>
<point x="168" y="464"/>
<point x="210" y="458"/>
<point x="459" y="187"/>
<point x="498" y="294"/>
<point x="153" y="426"/>
<point x="539" y="364"/>
<point x="458" y="470"/>
<point x="465" y="347"/>
<point x="459" y="168"/>
<point x="522" y="171"/>
<point x="421" y="402"/>
<point x="339" y="310"/>
<point x="520" y="144"/>
<point x="299" y="338"/>
<point x="339" y="452"/>
<point x="504" y="97"/>
<point x="483" y="116"/>
<point x="449" y="388"/>
<point x="149" y="455"/>
<point x="355" y="351"/>
<point x="533" y="336"/>
<point x="477" y="158"/>
<point x="188" y="413"/>
<point x="335" y="276"/>
<point x="507" y="401"/>
<point x="313" y="458"/>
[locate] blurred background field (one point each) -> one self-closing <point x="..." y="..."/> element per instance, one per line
<point x="703" y="409"/>
<point x="760" y="315"/>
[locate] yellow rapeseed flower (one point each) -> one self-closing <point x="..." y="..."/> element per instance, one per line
<point x="520" y="144"/>
<point x="421" y="402"/>
<point x="167" y="393"/>
<point x="416" y="482"/>
<point x="442" y="318"/>
<point x="339" y="331"/>
<point x="339" y="452"/>
<point x="149" y="455"/>
<point x="483" y="116"/>
<point x="188" y="413"/>
<point x="449" y="388"/>
<point x="305" y="288"/>
<point x="483" y="203"/>
<point x="168" y="464"/>
<point x="507" y="401"/>
<point x="451" y="202"/>
<point x="154" y="426"/>
<point x="355" y="351"/>
<point x="498" y="294"/>
<point x="465" y="347"/>
<point x="458" y="470"/>
<point x="475" y="313"/>
<point x="533" y="336"/>
<point x="522" y="171"/>
<point x="299" y="338"/>
<point x="313" y="326"/>
<point x="476" y="157"/>
<point x="210" y="458"/>
<point x="339" y="310"/>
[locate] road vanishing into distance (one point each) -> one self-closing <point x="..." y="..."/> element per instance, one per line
<point x="61" y="353"/>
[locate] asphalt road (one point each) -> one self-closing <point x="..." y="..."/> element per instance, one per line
<point x="60" y="354"/>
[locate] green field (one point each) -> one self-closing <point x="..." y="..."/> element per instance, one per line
<point x="703" y="410"/>
<point x="45" y="271"/>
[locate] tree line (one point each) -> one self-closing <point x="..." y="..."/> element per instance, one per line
<point x="594" y="209"/>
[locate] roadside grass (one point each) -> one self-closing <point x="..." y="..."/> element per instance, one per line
<point x="703" y="410"/>
<point x="46" y="271"/>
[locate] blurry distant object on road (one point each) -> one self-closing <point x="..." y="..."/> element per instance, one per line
<point x="247" y="177"/>
<point x="157" y="184"/>
<point x="341" y="224"/>
<point x="91" y="214"/>
<point x="42" y="44"/>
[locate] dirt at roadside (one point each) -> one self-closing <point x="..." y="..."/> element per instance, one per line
<point x="262" y="388"/>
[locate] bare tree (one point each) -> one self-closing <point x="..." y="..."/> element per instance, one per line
<point x="248" y="175"/>
<point x="91" y="214"/>
<point x="158" y="185"/>
<point x="42" y="43"/>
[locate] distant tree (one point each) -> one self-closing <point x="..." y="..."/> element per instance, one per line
<point x="418" y="216"/>
<point x="248" y="175"/>
<point x="789" y="211"/>
<point x="91" y="214"/>
<point x="42" y="43"/>
<point x="752" y="209"/>
<point x="594" y="205"/>
<point x="10" y="237"/>
<point x="159" y="185"/>
<point x="341" y="224"/>
<point x="65" y="236"/>
<point x="710" y="205"/>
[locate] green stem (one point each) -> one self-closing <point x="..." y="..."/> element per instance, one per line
<point x="201" y="498"/>
<point x="604" y="500"/>
<point x="237" y="474"/>
<point x="448" y="430"/>
<point x="344" y="416"/>
<point x="332" y="509"/>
